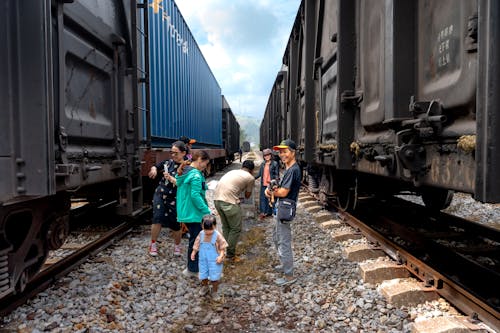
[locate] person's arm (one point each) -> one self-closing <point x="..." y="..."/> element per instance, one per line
<point x="249" y="189"/>
<point x="198" y="200"/>
<point x="154" y="169"/>
<point x="284" y="189"/>
<point x="279" y="192"/>
<point x="196" y="247"/>
<point x="260" y="171"/>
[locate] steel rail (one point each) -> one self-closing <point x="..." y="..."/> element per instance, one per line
<point x="46" y="277"/>
<point x="466" y="302"/>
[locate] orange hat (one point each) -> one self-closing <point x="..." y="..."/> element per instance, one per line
<point x="191" y="141"/>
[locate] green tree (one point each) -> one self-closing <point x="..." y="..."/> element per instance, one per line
<point x="243" y="136"/>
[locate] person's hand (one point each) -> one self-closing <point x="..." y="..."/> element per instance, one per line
<point x="168" y="177"/>
<point x="219" y="259"/>
<point x="267" y="193"/>
<point x="152" y="172"/>
<point x="193" y="256"/>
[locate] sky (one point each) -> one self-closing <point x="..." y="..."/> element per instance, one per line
<point x="243" y="42"/>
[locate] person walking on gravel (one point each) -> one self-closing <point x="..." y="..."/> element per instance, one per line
<point x="191" y="202"/>
<point x="288" y="188"/>
<point x="211" y="248"/>
<point x="227" y="203"/>
<point x="164" y="198"/>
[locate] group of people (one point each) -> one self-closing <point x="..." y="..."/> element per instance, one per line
<point x="180" y="198"/>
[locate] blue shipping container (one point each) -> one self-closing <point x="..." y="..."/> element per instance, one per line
<point x="185" y="96"/>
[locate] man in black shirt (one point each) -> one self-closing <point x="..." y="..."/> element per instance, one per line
<point x="289" y="188"/>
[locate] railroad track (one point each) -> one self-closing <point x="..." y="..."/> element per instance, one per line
<point x="68" y="257"/>
<point x="458" y="259"/>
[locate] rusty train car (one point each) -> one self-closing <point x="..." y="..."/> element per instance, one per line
<point x="392" y="97"/>
<point x="86" y="107"/>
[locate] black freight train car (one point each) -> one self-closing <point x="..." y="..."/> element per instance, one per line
<point x="385" y="97"/>
<point x="245" y="146"/>
<point x="69" y="126"/>
<point x="230" y="131"/>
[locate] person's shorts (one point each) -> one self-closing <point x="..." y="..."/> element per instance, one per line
<point x="164" y="212"/>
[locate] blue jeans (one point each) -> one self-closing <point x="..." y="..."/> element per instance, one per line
<point x="264" y="202"/>
<point x="194" y="229"/>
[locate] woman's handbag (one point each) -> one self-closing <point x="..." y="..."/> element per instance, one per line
<point x="286" y="209"/>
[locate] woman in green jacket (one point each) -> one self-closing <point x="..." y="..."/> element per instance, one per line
<point x="191" y="202"/>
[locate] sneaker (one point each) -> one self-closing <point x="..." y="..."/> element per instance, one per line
<point x="236" y="259"/>
<point x="215" y="296"/>
<point x="188" y="273"/>
<point x="153" y="250"/>
<point x="204" y="290"/>
<point x="177" y="250"/>
<point x="285" y="281"/>
<point x="278" y="268"/>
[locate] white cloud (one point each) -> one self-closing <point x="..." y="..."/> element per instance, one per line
<point x="243" y="42"/>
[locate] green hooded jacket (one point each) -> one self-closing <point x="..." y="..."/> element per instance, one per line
<point x="191" y="202"/>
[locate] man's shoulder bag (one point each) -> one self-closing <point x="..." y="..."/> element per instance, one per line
<point x="286" y="209"/>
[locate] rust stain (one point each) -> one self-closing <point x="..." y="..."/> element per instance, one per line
<point x="92" y="111"/>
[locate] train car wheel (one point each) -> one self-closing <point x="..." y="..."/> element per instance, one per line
<point x="22" y="281"/>
<point x="58" y="231"/>
<point x="436" y="198"/>
<point x="347" y="193"/>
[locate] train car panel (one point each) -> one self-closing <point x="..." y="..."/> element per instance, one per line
<point x="326" y="72"/>
<point x="185" y="96"/>
<point x="24" y="93"/>
<point x="386" y="55"/>
<point x="328" y="120"/>
<point x="328" y="29"/>
<point x="447" y="41"/>
<point x="371" y="60"/>
<point x="93" y="123"/>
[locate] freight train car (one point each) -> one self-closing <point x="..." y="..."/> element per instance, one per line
<point x="394" y="96"/>
<point x="230" y="131"/>
<point x="86" y="105"/>
<point x="69" y="124"/>
<point x="245" y="146"/>
<point x="185" y="98"/>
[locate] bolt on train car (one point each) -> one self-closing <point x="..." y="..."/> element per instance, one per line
<point x="388" y="97"/>
<point x="92" y="92"/>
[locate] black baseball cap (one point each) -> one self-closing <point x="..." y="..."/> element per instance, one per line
<point x="286" y="144"/>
